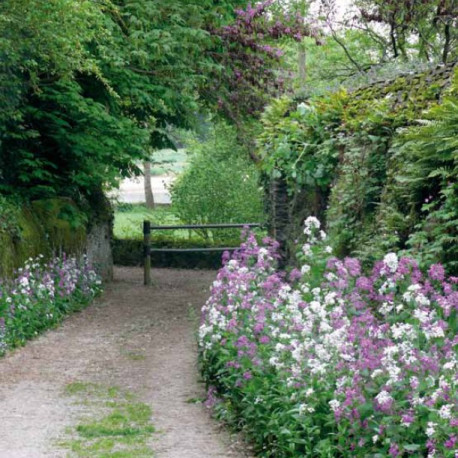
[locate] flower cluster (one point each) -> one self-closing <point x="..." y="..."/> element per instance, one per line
<point x="332" y="362"/>
<point x="40" y="294"/>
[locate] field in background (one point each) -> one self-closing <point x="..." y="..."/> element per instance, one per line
<point x="128" y="239"/>
<point x="168" y="161"/>
<point x="128" y="223"/>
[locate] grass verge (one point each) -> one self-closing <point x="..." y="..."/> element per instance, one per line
<point x="121" y="427"/>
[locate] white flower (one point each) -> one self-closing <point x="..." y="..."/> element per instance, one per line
<point x="311" y="221"/>
<point x="430" y="430"/>
<point x="445" y="412"/>
<point x="305" y="288"/>
<point x="421" y="316"/>
<point x="328" y="249"/>
<point x="297" y="353"/>
<point x="335" y="404"/>
<point x="386" y="308"/>
<point x="421" y="299"/>
<point x="305" y="269"/>
<point x="375" y="439"/>
<point x="435" y="331"/>
<point x="232" y="264"/>
<point x="274" y="361"/>
<point x="309" y="392"/>
<point x="376" y="373"/>
<point x="391" y="261"/>
<point x="383" y="397"/>
<point x="414" y="287"/>
<point x="407" y="296"/>
<point x="330" y="276"/>
<point x="306" y="249"/>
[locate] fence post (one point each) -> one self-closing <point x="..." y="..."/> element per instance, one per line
<point x="147" y="252"/>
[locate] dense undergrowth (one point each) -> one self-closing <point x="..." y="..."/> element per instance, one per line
<point x="378" y="165"/>
<point x="41" y="294"/>
<point x="332" y="362"/>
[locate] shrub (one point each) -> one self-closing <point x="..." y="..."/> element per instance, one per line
<point x="219" y="186"/>
<point x="333" y="363"/>
<point x="41" y="294"/>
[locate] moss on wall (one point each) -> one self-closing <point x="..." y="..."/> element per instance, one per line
<point x="47" y="227"/>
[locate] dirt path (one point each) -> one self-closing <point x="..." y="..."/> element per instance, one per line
<point x="140" y="339"/>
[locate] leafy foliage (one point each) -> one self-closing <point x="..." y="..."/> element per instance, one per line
<point x="219" y="186"/>
<point x="92" y="87"/>
<point x="336" y="153"/>
<point x="426" y="183"/>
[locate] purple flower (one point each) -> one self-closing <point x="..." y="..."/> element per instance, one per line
<point x="394" y="450"/>
<point x="264" y="339"/>
<point x="247" y="375"/>
<point x="451" y="441"/>
<point x="436" y="272"/>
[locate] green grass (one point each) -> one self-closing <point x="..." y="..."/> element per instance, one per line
<point x="128" y="224"/>
<point x="121" y="426"/>
<point x="134" y="356"/>
<point x="128" y="221"/>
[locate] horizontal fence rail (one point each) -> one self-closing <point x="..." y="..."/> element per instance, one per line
<point x="148" y="227"/>
<point x="205" y="226"/>
<point x="189" y="250"/>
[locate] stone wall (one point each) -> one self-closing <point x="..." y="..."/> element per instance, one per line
<point x="51" y="227"/>
<point x="99" y="249"/>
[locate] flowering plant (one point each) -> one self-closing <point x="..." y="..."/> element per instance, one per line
<point x="40" y="295"/>
<point x="329" y="361"/>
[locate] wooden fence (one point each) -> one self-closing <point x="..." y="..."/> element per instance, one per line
<point x="148" y="250"/>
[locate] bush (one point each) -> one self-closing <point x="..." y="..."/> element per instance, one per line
<point x="40" y="295"/>
<point x="333" y="363"/>
<point x="220" y="185"/>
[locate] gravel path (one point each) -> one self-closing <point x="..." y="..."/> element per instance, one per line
<point x="140" y="339"/>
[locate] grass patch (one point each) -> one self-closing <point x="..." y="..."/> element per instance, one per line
<point x="122" y="428"/>
<point x="75" y="388"/>
<point x="134" y="356"/>
<point x="128" y="221"/>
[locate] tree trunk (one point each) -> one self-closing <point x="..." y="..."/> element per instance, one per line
<point x="149" y="197"/>
<point x="448" y="38"/>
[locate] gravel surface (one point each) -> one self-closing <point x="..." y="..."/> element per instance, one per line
<point x="134" y="337"/>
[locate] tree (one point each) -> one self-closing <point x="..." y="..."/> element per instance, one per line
<point x="149" y="196"/>
<point x="220" y="185"/>
<point x="89" y="88"/>
<point x="432" y="22"/>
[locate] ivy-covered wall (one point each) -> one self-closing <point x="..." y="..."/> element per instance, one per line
<point x="373" y="164"/>
<point x="52" y="227"/>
